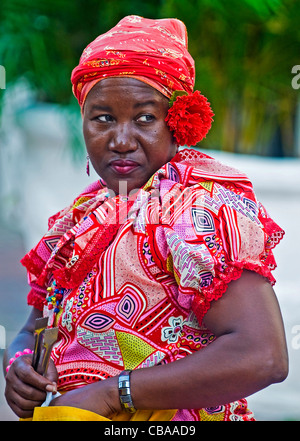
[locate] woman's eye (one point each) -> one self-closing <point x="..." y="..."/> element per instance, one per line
<point x="146" y="118"/>
<point x="105" y="118"/>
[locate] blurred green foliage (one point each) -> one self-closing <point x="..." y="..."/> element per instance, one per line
<point x="244" y="52"/>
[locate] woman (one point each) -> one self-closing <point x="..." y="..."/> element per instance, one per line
<point x="160" y="272"/>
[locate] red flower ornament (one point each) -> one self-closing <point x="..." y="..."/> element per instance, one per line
<point x="189" y="117"/>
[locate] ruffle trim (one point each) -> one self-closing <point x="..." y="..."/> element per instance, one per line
<point x="33" y="263"/>
<point x="202" y="300"/>
<point x="42" y="270"/>
<point x="36" y="300"/>
<point x="274" y="232"/>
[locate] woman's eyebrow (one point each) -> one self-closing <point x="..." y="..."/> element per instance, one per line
<point x="145" y="103"/>
<point x="100" y="107"/>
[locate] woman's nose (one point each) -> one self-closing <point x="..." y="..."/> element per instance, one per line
<point x="123" y="139"/>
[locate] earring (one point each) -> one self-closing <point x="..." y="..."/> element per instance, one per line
<point x="88" y="165"/>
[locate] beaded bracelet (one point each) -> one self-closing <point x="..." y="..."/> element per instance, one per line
<point x="18" y="354"/>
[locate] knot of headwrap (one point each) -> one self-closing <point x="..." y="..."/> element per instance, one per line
<point x="152" y="51"/>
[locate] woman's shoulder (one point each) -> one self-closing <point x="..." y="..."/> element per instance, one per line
<point x="191" y="171"/>
<point x="81" y="203"/>
<point x="204" y="166"/>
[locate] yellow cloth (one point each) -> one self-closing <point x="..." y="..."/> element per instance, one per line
<point x="66" y="413"/>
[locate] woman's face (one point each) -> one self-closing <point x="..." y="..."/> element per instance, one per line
<point x="125" y="132"/>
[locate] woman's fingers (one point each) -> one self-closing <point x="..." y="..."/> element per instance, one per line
<point x="52" y="374"/>
<point x="25" y="388"/>
<point x="23" y="399"/>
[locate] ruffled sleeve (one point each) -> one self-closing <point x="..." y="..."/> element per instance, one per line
<point x="213" y="232"/>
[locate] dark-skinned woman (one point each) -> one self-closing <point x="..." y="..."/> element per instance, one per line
<point x="157" y="276"/>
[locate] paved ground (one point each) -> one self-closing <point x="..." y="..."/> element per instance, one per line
<point x="278" y="402"/>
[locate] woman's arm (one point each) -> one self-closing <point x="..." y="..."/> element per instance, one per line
<point x="25" y="388"/>
<point x="248" y="354"/>
<point x="24" y="339"/>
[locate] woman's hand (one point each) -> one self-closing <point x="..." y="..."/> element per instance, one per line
<point x="101" y="397"/>
<point x="25" y="388"/>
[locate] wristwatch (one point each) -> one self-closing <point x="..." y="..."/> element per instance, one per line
<point x="124" y="392"/>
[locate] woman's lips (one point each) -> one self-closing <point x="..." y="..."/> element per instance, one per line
<point x="123" y="167"/>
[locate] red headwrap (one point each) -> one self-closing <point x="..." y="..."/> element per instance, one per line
<point x="155" y="52"/>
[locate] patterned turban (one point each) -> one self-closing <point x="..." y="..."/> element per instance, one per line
<point x="152" y="51"/>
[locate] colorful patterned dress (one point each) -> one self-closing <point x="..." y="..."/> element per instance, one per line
<point x="139" y="273"/>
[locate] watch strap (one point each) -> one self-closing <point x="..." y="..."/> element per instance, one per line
<point x="125" y="392"/>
